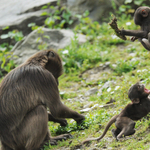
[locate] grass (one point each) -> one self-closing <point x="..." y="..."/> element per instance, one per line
<point x="127" y="63"/>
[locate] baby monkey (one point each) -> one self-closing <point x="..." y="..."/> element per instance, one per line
<point x="124" y="123"/>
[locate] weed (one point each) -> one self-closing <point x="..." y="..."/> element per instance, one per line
<point x="15" y="34"/>
<point x="125" y="66"/>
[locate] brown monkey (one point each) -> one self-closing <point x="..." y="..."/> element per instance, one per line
<point x="141" y="18"/>
<point x="25" y="94"/>
<point x="124" y="123"/>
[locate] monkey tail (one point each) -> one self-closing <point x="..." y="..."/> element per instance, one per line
<point x="112" y="120"/>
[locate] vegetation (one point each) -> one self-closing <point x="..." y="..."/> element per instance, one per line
<point x="126" y="62"/>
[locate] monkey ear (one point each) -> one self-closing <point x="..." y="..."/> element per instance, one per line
<point x="144" y="13"/>
<point x="135" y="100"/>
<point x="50" y="54"/>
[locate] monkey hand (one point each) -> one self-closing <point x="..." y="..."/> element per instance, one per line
<point x="133" y="38"/>
<point x="79" y="121"/>
<point x="63" y="122"/>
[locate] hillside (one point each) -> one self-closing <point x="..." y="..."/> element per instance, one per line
<point x="96" y="81"/>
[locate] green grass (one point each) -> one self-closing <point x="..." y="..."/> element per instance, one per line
<point x="129" y="63"/>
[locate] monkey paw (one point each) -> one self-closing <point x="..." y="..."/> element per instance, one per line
<point x="133" y="38"/>
<point x="79" y="121"/>
<point x="63" y="122"/>
<point x="53" y="142"/>
<point x="114" y="134"/>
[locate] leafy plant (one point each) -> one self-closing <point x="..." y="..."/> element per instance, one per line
<point x="5" y="64"/>
<point x="33" y="26"/>
<point x="86" y="25"/>
<point x="60" y="18"/>
<point x="124" y="66"/>
<point x="75" y="56"/>
<point x="15" y="34"/>
<point x="128" y="6"/>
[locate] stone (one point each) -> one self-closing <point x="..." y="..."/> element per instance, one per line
<point x="15" y="12"/>
<point x="91" y="91"/>
<point x="41" y="39"/>
<point x="99" y="9"/>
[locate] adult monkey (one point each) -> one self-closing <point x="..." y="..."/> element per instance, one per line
<point x="124" y="123"/>
<point x="25" y="93"/>
<point x="141" y="18"/>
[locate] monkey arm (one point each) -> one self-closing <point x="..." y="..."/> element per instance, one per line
<point x="135" y="33"/>
<point x="50" y="97"/>
<point x="63" y="122"/>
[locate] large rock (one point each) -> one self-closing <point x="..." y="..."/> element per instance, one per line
<point x="99" y="9"/>
<point x="43" y="39"/>
<point x="14" y="12"/>
<point x="17" y="14"/>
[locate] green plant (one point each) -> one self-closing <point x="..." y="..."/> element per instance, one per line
<point x="123" y="66"/>
<point x="33" y="26"/>
<point x="15" y="34"/>
<point x="6" y="64"/>
<point x="128" y="7"/>
<point x="60" y="18"/>
<point x="75" y="56"/>
<point x="87" y="26"/>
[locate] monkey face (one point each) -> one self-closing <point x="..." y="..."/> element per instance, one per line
<point x="141" y="14"/>
<point x="138" y="92"/>
<point x="54" y="64"/>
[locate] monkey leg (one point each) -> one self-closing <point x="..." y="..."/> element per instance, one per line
<point x="5" y="147"/>
<point x="146" y="42"/>
<point x="61" y="137"/>
<point x="63" y="122"/>
<point x="53" y="140"/>
<point x="126" y="125"/>
<point x="32" y="131"/>
<point x="115" y="133"/>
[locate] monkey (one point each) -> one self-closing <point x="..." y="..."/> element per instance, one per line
<point x="26" y="93"/>
<point x="141" y="18"/>
<point x="124" y="123"/>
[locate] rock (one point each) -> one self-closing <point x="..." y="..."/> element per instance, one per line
<point x="106" y="86"/>
<point x="85" y="110"/>
<point x="97" y="106"/>
<point x="94" y="74"/>
<point x="43" y="39"/>
<point x="14" y="12"/>
<point x="107" y="105"/>
<point x="17" y="14"/>
<point x="94" y="148"/>
<point x="91" y="91"/>
<point x="88" y="105"/>
<point x="98" y="9"/>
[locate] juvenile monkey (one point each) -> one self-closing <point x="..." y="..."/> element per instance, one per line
<point x="141" y="18"/>
<point x="124" y="123"/>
